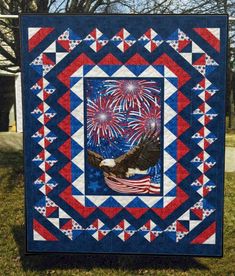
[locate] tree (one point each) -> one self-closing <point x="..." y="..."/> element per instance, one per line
<point x="9" y="28"/>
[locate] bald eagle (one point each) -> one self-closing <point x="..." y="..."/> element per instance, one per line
<point x="136" y="161"/>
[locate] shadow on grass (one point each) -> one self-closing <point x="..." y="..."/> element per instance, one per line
<point x="11" y="166"/>
<point x="85" y="261"/>
<point x="11" y="158"/>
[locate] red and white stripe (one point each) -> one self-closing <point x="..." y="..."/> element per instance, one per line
<point x="136" y="186"/>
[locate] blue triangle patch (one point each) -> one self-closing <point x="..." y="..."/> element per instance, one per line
<point x="73" y="81"/>
<point x="171" y="192"/>
<point x="173" y="36"/>
<point x="75" y="191"/>
<point x="172" y="149"/>
<point x="38" y="69"/>
<point x="210" y="69"/>
<point x="76" y="148"/>
<point x="75" y="101"/>
<point x="171" y="173"/>
<point x="137" y="70"/>
<point x="76" y="172"/>
<point x="159" y="204"/>
<point x="110" y="202"/>
<point x="75" y="124"/>
<point x="171" y="235"/>
<point x="173" y="81"/>
<point x="89" y="203"/>
<point x="76" y="233"/>
<point x="41" y="202"/>
<point x="159" y="68"/>
<point x="87" y="68"/>
<point x="138" y="203"/>
<point x="73" y="35"/>
<point x="172" y="125"/>
<point x="172" y="101"/>
<point x="109" y="69"/>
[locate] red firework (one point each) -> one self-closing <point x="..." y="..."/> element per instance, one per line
<point x="131" y="93"/>
<point x="103" y="120"/>
<point x="142" y="121"/>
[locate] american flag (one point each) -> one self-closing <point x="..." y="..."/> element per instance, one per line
<point x="136" y="186"/>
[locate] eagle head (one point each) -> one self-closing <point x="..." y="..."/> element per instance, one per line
<point x="108" y="163"/>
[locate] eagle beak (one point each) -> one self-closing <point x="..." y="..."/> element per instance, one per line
<point x="100" y="164"/>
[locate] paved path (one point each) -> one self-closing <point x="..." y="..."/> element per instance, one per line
<point x="10" y="141"/>
<point x="230" y="159"/>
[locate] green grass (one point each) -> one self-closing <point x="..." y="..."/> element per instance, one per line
<point x="14" y="262"/>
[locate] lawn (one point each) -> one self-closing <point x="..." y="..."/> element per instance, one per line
<point x="14" y="262"/>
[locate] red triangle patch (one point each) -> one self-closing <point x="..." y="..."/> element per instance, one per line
<point x="182" y="125"/>
<point x="66" y="172"/>
<point x="110" y="60"/>
<point x="201" y="60"/>
<point x="200" y="179"/>
<point x="126" y="236"/>
<point x="96" y="224"/>
<point x="183" y="101"/>
<point x="180" y="227"/>
<point x="147" y="224"/>
<point x="121" y="224"/>
<point x="182" y="173"/>
<point x="152" y="236"/>
<point x="207" y="120"/>
<point x="201" y="132"/>
<point x="41" y="107"/>
<point x="121" y="33"/>
<point x="65" y="125"/>
<point x="45" y="95"/>
<point x="137" y="60"/>
<point x="148" y="33"/>
<point x="205" y="191"/>
<point x="68" y="225"/>
<point x="43" y="177"/>
<point x="66" y="148"/>
<point x="125" y="46"/>
<point x="64" y="44"/>
<point x="46" y="60"/>
<point x="93" y="33"/>
<point x="100" y="235"/>
<point x="153" y="46"/>
<point x="137" y="212"/>
<point x="198" y="212"/>
<point x="48" y="189"/>
<point x="110" y="212"/>
<point x="208" y="95"/>
<point x="64" y="101"/>
<point x="206" y="144"/>
<point x="182" y="44"/>
<point x="46" y="142"/>
<point x="50" y="210"/>
<point x="182" y="149"/>
<point x="201" y="155"/>
<point x="47" y="166"/>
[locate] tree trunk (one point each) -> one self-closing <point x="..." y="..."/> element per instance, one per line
<point x="7" y="99"/>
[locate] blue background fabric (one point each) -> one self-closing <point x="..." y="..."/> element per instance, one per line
<point x="78" y="232"/>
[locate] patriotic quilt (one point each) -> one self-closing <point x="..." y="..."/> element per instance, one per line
<point x="124" y="122"/>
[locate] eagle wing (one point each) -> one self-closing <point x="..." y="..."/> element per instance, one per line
<point x="144" y="155"/>
<point x="94" y="158"/>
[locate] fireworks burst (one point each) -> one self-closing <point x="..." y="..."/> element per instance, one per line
<point x="103" y="120"/>
<point x="144" y="121"/>
<point x="131" y="93"/>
